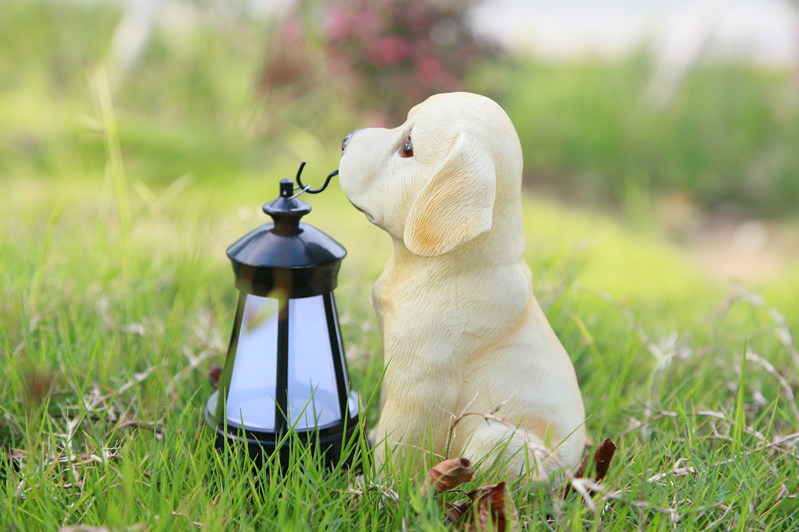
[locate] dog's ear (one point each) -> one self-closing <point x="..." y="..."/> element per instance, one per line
<point x="456" y="205"/>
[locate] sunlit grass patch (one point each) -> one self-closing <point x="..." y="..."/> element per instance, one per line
<point x="107" y="328"/>
<point x="107" y="338"/>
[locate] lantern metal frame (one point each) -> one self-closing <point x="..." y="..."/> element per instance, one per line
<point x="287" y="260"/>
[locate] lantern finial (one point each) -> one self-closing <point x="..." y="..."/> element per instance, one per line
<point x="286" y="188"/>
<point x="286" y="209"/>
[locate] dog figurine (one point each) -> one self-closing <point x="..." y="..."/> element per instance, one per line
<point x="460" y="326"/>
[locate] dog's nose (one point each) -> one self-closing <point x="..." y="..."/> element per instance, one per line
<point x="347" y="140"/>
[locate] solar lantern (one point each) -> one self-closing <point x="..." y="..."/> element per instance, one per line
<point x="285" y="366"/>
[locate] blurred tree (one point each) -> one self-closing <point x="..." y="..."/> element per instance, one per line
<point x="392" y="54"/>
<point x="289" y="61"/>
<point x="383" y="55"/>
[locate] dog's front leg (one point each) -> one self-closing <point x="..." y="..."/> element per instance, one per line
<point x="414" y="425"/>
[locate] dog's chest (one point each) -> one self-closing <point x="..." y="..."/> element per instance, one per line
<point x="435" y="312"/>
<point x="401" y="300"/>
<point x="428" y="315"/>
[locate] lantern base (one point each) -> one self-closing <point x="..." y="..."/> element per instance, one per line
<point x="328" y="439"/>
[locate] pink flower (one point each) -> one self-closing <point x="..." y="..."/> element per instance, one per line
<point x="366" y="25"/>
<point x="336" y="26"/>
<point x="292" y="34"/>
<point x="339" y="66"/>
<point x="388" y="51"/>
<point x="421" y="49"/>
<point x="429" y="71"/>
<point x="374" y="119"/>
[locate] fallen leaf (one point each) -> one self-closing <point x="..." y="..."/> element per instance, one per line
<point x="214" y="374"/>
<point x="456" y="509"/>
<point x="602" y="458"/>
<point x="447" y="475"/>
<point x="580" y="473"/>
<point x="496" y="502"/>
<point x="487" y="503"/>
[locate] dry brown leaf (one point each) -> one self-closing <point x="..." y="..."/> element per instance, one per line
<point x="496" y="502"/>
<point x="456" y="509"/>
<point x="214" y="374"/>
<point x="492" y="503"/>
<point x="580" y="473"/>
<point x="447" y="475"/>
<point x="602" y="457"/>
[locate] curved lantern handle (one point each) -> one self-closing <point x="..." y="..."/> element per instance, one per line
<point x="307" y="188"/>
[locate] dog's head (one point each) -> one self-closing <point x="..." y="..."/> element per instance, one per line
<point x="433" y="181"/>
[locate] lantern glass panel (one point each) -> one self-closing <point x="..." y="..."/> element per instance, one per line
<point x="252" y="385"/>
<point x="312" y="376"/>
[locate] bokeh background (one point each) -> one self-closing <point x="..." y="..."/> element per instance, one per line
<point x="680" y="117"/>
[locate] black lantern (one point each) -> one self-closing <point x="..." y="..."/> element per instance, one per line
<point x="285" y="366"/>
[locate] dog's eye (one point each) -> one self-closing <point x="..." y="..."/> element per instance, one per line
<point x="407" y="149"/>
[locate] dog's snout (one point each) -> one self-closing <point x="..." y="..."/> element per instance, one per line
<point x="347" y="140"/>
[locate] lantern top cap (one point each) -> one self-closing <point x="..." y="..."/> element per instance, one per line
<point x="287" y="243"/>
<point x="286" y="205"/>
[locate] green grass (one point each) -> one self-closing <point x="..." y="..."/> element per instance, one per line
<point x="100" y="327"/>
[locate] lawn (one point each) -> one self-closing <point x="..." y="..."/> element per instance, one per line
<point x="116" y="296"/>
<point x="109" y="329"/>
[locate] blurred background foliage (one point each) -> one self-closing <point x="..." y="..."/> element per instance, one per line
<point x="220" y="92"/>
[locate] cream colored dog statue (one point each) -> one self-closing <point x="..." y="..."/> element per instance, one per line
<point x="458" y="319"/>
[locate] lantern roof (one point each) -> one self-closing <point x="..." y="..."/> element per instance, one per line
<point x="285" y="243"/>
